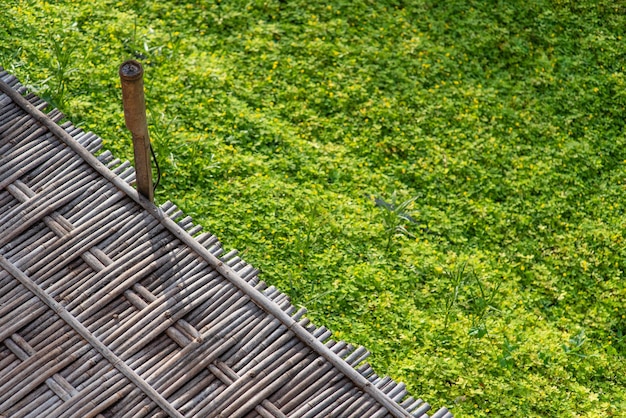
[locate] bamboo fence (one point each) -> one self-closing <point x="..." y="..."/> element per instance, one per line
<point x="113" y="307"/>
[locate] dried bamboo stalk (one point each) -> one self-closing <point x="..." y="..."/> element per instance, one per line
<point x="343" y="403"/>
<point x="13" y="223"/>
<point x="18" y="168"/>
<point x="59" y="385"/>
<point x="240" y="363"/>
<point x="20" y="133"/>
<point x="277" y="378"/>
<point x="33" y="400"/>
<point x="422" y="410"/>
<point x="308" y="384"/>
<point x="209" y="350"/>
<point x="87" y="399"/>
<point x="319" y="403"/>
<point x="73" y="243"/>
<point x="253" y="338"/>
<point x="166" y="320"/>
<point x="114" y="396"/>
<point x="398" y="392"/>
<point x="121" y="408"/>
<point x="164" y="306"/>
<point x="41" y="329"/>
<point x="31" y="380"/>
<point x="442" y="413"/>
<point x="171" y="380"/>
<point x="191" y="388"/>
<point x="8" y="381"/>
<point x="58" y="172"/>
<point x="237" y="393"/>
<point x="360" y="407"/>
<point x="376" y="411"/>
<point x="206" y="396"/>
<point x="81" y="210"/>
<point x="14" y="116"/>
<point x="294" y="393"/>
<point x="228" y="376"/>
<point x="15" y="301"/>
<point x="17" y="324"/>
<point x="79" y="328"/>
<point x="8" y="116"/>
<point x="222" y="297"/>
<point x="145" y="262"/>
<point x="184" y="263"/>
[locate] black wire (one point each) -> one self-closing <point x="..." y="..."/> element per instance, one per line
<point x="156" y="163"/>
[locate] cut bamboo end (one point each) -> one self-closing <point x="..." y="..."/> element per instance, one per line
<point x="131" y="76"/>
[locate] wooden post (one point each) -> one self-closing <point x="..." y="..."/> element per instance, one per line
<point x="131" y="75"/>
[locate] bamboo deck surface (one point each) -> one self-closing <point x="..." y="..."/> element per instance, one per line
<point x="113" y="307"/>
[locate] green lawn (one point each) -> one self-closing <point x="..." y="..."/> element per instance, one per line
<point x="277" y="123"/>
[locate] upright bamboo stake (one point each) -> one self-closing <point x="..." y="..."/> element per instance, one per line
<point x="131" y="75"/>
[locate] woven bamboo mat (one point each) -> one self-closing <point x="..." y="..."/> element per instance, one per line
<point x="113" y="307"/>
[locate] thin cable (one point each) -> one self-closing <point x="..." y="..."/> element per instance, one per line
<point x="156" y="163"/>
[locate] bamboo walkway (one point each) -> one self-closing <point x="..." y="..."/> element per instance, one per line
<point x="113" y="307"/>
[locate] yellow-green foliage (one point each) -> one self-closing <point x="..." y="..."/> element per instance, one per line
<point x="499" y="290"/>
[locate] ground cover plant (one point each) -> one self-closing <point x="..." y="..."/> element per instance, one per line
<point x="442" y="182"/>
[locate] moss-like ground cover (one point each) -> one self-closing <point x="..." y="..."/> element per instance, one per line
<point x="497" y="289"/>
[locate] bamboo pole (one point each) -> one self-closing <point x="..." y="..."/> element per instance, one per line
<point x="131" y="75"/>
